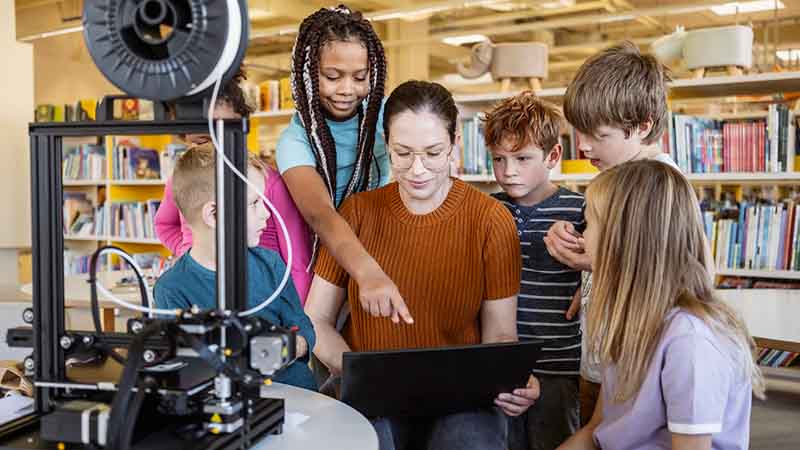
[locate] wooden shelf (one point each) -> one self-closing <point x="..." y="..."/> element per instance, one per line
<point x="279" y="113"/>
<point x="497" y="96"/>
<point x="477" y="178"/>
<point x="73" y="183"/>
<point x="69" y="237"/>
<point x="776" y="274"/>
<point x="719" y="86"/>
<point x="134" y="240"/>
<point x="72" y="237"/>
<point x="789" y="373"/>
<point x="138" y="182"/>
<point x="723" y="86"/>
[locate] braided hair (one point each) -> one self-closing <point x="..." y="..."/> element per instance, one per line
<point x="324" y="26"/>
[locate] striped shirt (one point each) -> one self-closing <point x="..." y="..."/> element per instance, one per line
<point x="547" y="286"/>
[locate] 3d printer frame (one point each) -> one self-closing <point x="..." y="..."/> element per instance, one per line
<point x="262" y="416"/>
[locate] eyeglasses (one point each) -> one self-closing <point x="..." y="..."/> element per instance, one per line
<point x="431" y="160"/>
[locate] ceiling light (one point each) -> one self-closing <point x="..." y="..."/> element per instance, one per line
<point x="729" y="9"/>
<point x="466" y="39"/>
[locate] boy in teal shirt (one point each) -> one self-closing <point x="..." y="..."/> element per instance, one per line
<point x="193" y="279"/>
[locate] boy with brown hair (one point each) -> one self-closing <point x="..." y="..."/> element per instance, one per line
<point x="617" y="104"/>
<point x="192" y="280"/>
<point x="522" y="134"/>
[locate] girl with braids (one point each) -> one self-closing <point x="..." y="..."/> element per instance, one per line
<point x="173" y="231"/>
<point x="333" y="148"/>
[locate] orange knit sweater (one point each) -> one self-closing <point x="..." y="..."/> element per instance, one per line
<point x="445" y="263"/>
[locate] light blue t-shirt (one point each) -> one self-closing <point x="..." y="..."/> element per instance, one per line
<point x="294" y="150"/>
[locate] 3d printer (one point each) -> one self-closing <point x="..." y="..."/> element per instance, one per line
<point x="191" y="379"/>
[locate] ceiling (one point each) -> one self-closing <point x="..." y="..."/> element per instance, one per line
<point x="574" y="29"/>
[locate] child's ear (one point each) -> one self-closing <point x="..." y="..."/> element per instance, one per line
<point x="553" y="156"/>
<point x="209" y="214"/>
<point x="644" y="128"/>
<point x="458" y="143"/>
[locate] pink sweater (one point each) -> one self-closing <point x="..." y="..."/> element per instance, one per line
<point x="173" y="231"/>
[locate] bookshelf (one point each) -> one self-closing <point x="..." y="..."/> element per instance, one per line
<point x="724" y="99"/>
<point x="96" y="192"/>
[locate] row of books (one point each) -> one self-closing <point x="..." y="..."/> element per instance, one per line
<point x="80" y="111"/>
<point x="84" y="162"/>
<point x="130" y="162"/>
<point x="777" y="358"/>
<point x="76" y="263"/>
<point x="273" y="95"/>
<point x="700" y="145"/>
<point x="85" y="109"/>
<point x="473" y="159"/>
<point x="756" y="236"/>
<point x="134" y="220"/>
<point x="78" y="214"/>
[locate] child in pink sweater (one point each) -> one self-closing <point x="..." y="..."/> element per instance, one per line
<point x="175" y="234"/>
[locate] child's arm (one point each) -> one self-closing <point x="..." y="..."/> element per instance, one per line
<point x="584" y="438"/>
<point x="566" y="245"/>
<point x="378" y="293"/>
<point x="691" y="442"/>
<point x="167" y="222"/>
<point x="278" y="194"/>
<point x="324" y="302"/>
<point x="292" y="314"/>
<point x="575" y="305"/>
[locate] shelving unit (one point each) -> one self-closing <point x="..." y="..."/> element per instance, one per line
<point x="754" y="304"/>
<point x="109" y="190"/>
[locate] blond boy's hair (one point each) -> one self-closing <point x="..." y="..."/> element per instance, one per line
<point x="193" y="179"/>
<point x="621" y="88"/>
<point x="523" y="120"/>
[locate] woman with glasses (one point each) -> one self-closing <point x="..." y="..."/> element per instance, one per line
<point x="454" y="255"/>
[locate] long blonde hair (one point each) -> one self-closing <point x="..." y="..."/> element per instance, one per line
<point x="651" y="256"/>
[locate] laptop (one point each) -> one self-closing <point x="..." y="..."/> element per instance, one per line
<point x="435" y="382"/>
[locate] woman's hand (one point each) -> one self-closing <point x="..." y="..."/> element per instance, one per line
<point x="520" y="400"/>
<point x="567" y="245"/>
<point x="380" y="297"/>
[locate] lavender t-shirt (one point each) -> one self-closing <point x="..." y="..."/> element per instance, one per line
<point x="693" y="386"/>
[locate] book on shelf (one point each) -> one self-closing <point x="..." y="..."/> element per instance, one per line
<point x="146" y="261"/>
<point x="756" y="234"/>
<point x="79" y="214"/>
<point x="134" y="220"/>
<point x="473" y="157"/>
<point x="77" y="262"/>
<point x="702" y="145"/>
<point x="169" y="157"/>
<point x="777" y="358"/>
<point x="130" y="162"/>
<point x="275" y="95"/>
<point x="64" y="113"/>
<point x="84" y="162"/>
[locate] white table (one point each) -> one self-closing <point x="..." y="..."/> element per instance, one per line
<point x="771" y="315"/>
<point x="329" y="424"/>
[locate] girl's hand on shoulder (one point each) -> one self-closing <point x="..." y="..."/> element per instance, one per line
<point x="567" y="246"/>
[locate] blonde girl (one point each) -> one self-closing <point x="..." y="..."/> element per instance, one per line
<point x="678" y="367"/>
